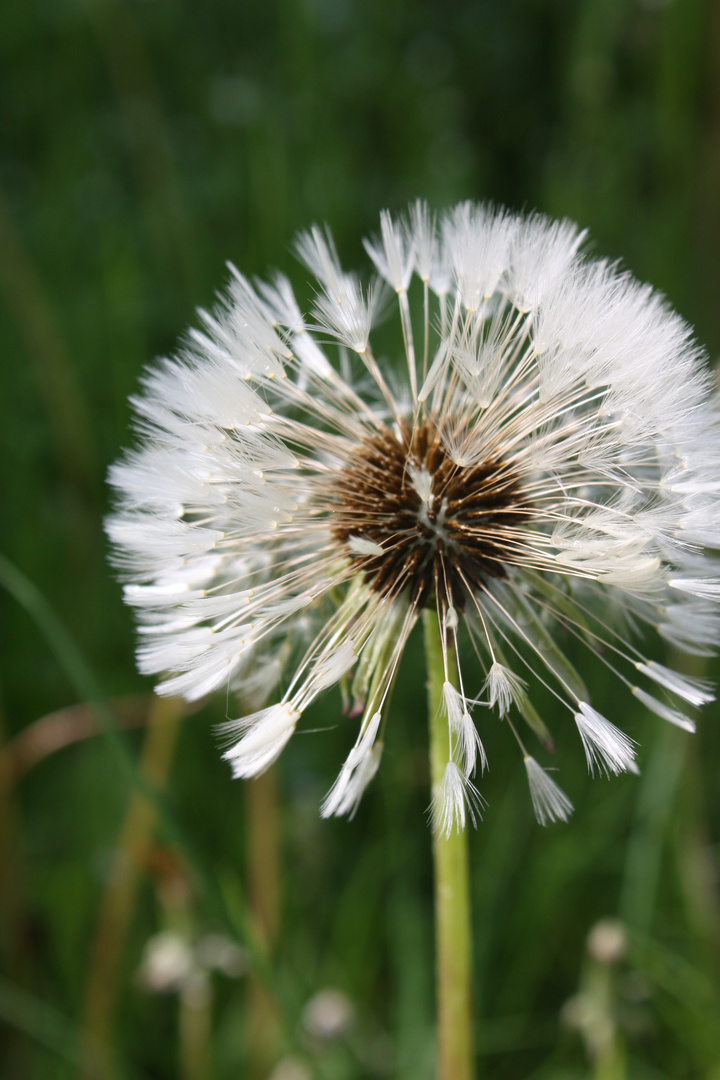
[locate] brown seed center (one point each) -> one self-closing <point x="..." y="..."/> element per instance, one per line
<point x="411" y="519"/>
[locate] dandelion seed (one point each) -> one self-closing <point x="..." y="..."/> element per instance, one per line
<point x="547" y="460"/>
<point x="503" y="687"/>
<point x="456" y="800"/>
<point x="606" y="747"/>
<point x="264" y="735"/>
<point x="549" y="802"/>
<point x="468" y="743"/>
<point x="673" y="716"/>
<point x="360" y="766"/>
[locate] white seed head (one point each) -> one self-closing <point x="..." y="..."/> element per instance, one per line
<point x="542" y="462"/>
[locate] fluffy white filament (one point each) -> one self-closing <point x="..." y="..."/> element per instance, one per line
<point x="456" y="799"/>
<point x="549" y="802"/>
<point x="607" y="748"/>
<point x="461" y="725"/>
<point x="673" y="716"/>
<point x="504" y="688"/>
<point x="695" y="691"/>
<point x="360" y="766"/>
<point x="264" y="738"/>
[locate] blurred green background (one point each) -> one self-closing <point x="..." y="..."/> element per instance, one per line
<point x="144" y="142"/>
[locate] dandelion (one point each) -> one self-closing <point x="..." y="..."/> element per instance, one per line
<point x="542" y="467"/>
<point x="546" y="460"/>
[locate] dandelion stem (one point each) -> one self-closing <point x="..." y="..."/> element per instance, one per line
<point x="452" y="909"/>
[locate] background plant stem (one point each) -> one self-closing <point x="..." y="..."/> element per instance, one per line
<point x="453" y="945"/>
<point x="120" y="894"/>
<point x="264" y="888"/>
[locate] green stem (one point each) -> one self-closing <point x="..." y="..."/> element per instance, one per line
<point x="452" y="908"/>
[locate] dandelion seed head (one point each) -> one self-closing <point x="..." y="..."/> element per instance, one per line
<point x="541" y="464"/>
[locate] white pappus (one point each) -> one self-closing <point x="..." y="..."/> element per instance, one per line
<point x="547" y="459"/>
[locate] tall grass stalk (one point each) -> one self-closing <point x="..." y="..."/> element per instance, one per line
<point x="119" y="898"/>
<point x="263" y="871"/>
